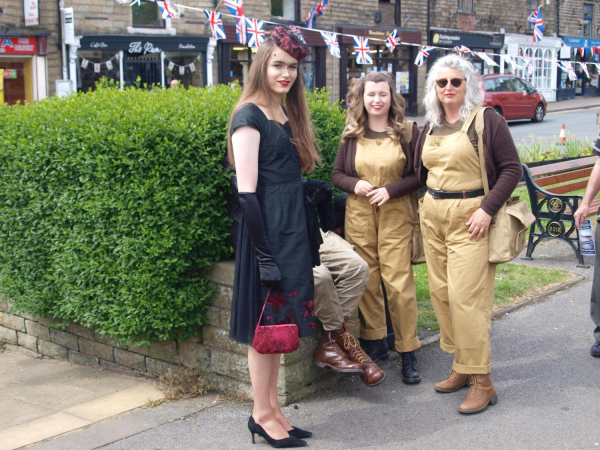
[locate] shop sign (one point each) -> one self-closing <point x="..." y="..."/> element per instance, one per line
<point x="69" y="26"/>
<point x="581" y="42"/>
<point x="18" y="45"/>
<point x="143" y="47"/>
<point x="32" y="12"/>
<point x="452" y="38"/>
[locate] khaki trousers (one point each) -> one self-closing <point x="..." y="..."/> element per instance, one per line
<point x="383" y="239"/>
<point x="340" y="281"/>
<point x="461" y="282"/>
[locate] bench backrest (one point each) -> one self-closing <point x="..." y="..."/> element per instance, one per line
<point x="563" y="172"/>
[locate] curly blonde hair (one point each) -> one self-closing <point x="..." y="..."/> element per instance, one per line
<point x="356" y="119"/>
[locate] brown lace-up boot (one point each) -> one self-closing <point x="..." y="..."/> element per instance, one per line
<point x="330" y="355"/>
<point x="453" y="383"/>
<point x="481" y="395"/>
<point x="373" y="375"/>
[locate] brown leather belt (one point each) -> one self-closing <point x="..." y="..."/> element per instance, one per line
<point x="437" y="194"/>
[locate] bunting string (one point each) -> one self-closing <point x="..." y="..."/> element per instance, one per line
<point x="251" y="32"/>
<point x="85" y="63"/>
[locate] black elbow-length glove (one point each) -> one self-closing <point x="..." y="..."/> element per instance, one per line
<point x="270" y="275"/>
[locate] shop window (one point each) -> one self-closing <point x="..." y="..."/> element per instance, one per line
<point x="588" y="19"/>
<point x="241" y="58"/>
<point x="283" y="9"/>
<point x="531" y="8"/>
<point x="183" y="60"/>
<point x="15" y="83"/>
<point x="538" y="67"/>
<point x="308" y="70"/>
<point x="147" y="15"/>
<point x="466" y="6"/>
<point x="88" y="77"/>
<point x="547" y="68"/>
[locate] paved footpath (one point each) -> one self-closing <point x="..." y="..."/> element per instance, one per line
<point x="547" y="382"/>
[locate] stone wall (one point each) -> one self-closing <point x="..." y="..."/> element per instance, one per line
<point x="222" y="361"/>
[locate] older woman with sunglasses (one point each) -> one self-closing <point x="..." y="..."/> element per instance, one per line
<point x="455" y="219"/>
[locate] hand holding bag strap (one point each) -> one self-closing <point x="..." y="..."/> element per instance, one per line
<point x="265" y="305"/>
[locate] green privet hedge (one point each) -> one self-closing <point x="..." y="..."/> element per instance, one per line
<point x="112" y="205"/>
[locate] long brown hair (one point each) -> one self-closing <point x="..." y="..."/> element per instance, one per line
<point x="356" y="119"/>
<point x="256" y="88"/>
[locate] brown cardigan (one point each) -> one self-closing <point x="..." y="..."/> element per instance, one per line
<point x="344" y="175"/>
<point x="502" y="162"/>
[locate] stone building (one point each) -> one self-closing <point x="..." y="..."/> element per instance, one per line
<point x="127" y="43"/>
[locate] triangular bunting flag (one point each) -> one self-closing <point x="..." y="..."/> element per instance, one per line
<point x="216" y="24"/>
<point x="423" y="54"/>
<point x="363" y="52"/>
<point x="331" y="40"/>
<point x="392" y="41"/>
<point x="487" y="59"/>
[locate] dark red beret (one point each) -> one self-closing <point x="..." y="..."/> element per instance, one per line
<point x="290" y="39"/>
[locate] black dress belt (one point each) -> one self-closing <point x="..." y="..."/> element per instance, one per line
<point x="436" y="193"/>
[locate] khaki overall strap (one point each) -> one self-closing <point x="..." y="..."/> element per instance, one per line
<point x="407" y="130"/>
<point x="479" y="130"/>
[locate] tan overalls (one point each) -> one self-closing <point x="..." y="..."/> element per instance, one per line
<point x="383" y="238"/>
<point x="461" y="280"/>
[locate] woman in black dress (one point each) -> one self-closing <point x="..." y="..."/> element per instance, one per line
<point x="269" y="147"/>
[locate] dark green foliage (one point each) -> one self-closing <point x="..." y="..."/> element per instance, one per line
<point x="112" y="205"/>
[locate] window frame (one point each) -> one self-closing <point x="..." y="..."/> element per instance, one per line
<point x="466" y="6"/>
<point x="588" y="20"/>
<point x="531" y="6"/>
<point x="163" y="22"/>
<point x="294" y="19"/>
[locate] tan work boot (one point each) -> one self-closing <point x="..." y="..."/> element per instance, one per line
<point x="453" y="383"/>
<point x="481" y="395"/>
<point x="373" y="375"/>
<point x="330" y="355"/>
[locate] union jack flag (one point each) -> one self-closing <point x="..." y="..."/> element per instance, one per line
<point x="486" y="58"/>
<point x="236" y="7"/>
<point x="392" y="41"/>
<point x="256" y="32"/>
<point x="585" y="69"/>
<point x="567" y="67"/>
<point x="315" y="12"/>
<point x="532" y="17"/>
<point x="528" y="66"/>
<point x="167" y="10"/>
<point x="216" y="24"/>
<point x="423" y="54"/>
<point x="363" y="53"/>
<point x="332" y="43"/>
<point x="538" y="29"/>
<point x="462" y="49"/>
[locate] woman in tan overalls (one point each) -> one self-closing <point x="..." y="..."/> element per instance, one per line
<point x="375" y="166"/>
<point x="455" y="218"/>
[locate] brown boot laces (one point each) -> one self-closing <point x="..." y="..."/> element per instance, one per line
<point x="353" y="349"/>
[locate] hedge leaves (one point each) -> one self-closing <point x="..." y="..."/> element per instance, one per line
<point x="112" y="205"/>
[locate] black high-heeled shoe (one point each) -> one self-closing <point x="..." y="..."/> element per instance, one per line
<point x="299" y="433"/>
<point x="287" y="442"/>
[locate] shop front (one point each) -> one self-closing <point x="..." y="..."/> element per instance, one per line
<point x="490" y="43"/>
<point x="580" y="50"/>
<point x="542" y="55"/>
<point x="235" y="59"/>
<point x="147" y="60"/>
<point x="398" y="63"/>
<point x="23" y="67"/>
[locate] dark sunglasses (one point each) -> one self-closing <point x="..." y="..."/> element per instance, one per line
<point x="456" y="82"/>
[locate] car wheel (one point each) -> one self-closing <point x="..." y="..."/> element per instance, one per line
<point x="498" y="110"/>
<point x="539" y="113"/>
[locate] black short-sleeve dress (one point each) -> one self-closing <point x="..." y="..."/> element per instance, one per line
<point x="281" y="197"/>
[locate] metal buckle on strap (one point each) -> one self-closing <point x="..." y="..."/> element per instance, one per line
<point x="435" y="193"/>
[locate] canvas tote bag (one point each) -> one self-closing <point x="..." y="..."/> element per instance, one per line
<point x="509" y="225"/>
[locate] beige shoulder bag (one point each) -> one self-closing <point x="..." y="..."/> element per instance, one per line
<point x="509" y="225"/>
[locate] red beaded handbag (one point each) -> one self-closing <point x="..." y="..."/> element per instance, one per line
<point x="273" y="339"/>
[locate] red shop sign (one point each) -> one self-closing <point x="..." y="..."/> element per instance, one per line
<point x="23" y="45"/>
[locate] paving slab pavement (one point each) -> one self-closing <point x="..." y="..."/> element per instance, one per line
<point x="42" y="398"/>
